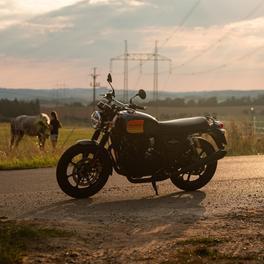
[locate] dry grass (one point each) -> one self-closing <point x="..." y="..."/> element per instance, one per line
<point x="28" y="155"/>
<point x="242" y="139"/>
<point x="240" y="136"/>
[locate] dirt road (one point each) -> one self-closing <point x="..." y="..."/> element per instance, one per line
<point x="223" y="222"/>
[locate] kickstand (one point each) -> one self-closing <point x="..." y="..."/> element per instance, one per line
<point x="154" y="184"/>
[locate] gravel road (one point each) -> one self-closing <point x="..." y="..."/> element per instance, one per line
<point x="126" y="221"/>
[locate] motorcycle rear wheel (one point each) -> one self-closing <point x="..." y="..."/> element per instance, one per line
<point x="201" y="175"/>
<point x="81" y="174"/>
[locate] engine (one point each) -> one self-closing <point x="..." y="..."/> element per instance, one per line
<point x="133" y="139"/>
<point x="137" y="156"/>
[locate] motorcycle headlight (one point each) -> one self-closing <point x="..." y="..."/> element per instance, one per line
<point x="96" y="119"/>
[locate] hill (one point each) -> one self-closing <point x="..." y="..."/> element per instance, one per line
<point x="82" y="95"/>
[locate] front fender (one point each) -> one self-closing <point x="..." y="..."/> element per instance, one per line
<point x="101" y="151"/>
<point x="87" y="142"/>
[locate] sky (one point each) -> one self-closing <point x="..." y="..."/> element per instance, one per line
<point x="213" y="44"/>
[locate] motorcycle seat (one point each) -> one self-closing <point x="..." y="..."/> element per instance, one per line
<point x="184" y="125"/>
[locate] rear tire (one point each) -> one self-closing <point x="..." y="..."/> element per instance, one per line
<point x="79" y="173"/>
<point x="204" y="174"/>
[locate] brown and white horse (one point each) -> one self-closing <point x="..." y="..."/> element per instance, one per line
<point x="34" y="126"/>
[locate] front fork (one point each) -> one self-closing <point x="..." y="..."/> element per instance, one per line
<point x="102" y="142"/>
<point x="96" y="135"/>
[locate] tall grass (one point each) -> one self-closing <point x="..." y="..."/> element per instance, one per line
<point x="240" y="136"/>
<point x="28" y="155"/>
<point x="243" y="139"/>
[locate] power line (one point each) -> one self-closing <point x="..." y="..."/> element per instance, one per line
<point x="141" y="57"/>
<point x="222" y="66"/>
<point x="219" y="40"/>
<point x="183" y="21"/>
<point x="253" y="11"/>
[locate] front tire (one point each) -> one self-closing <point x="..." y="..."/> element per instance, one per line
<point x="82" y="171"/>
<point x="195" y="180"/>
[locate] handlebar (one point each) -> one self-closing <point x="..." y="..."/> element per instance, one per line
<point x="117" y="105"/>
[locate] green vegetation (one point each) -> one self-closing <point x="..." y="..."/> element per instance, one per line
<point x="240" y="136"/>
<point x="27" y="155"/>
<point x="13" y="108"/>
<point x="210" y="101"/>
<point x="17" y="239"/>
<point x="243" y="138"/>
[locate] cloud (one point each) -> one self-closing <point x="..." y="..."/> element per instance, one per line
<point x="46" y="26"/>
<point x="89" y="33"/>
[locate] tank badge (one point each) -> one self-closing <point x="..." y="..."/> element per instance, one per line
<point x="135" y="126"/>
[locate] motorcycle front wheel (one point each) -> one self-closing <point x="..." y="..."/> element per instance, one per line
<point x="196" y="179"/>
<point x="81" y="171"/>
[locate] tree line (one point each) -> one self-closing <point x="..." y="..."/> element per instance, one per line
<point x="210" y="101"/>
<point x="13" y="108"/>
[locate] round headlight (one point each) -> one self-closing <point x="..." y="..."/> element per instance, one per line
<point x="96" y="119"/>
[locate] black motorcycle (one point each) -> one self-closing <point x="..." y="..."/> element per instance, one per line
<point x="141" y="148"/>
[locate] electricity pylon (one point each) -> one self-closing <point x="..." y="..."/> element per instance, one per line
<point x="142" y="58"/>
<point x="94" y="76"/>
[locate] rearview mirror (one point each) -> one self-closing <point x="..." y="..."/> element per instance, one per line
<point x="142" y="94"/>
<point x="109" y="78"/>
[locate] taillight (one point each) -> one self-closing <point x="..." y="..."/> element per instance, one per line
<point x="220" y="124"/>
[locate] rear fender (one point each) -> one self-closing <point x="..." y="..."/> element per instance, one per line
<point x="101" y="151"/>
<point x="218" y="136"/>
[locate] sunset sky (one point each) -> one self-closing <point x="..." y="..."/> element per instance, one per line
<point x="213" y="44"/>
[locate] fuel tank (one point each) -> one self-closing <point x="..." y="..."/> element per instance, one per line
<point x="134" y="122"/>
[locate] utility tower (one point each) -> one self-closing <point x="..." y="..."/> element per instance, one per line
<point x="156" y="74"/>
<point x="142" y="58"/>
<point x="94" y="84"/>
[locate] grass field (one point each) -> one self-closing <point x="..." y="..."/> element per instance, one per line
<point x="28" y="155"/>
<point x="241" y="141"/>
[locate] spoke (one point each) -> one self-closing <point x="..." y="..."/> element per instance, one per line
<point x="78" y="182"/>
<point x="88" y="179"/>
<point x="201" y="174"/>
<point x="189" y="176"/>
<point x="73" y="163"/>
<point x="201" y="153"/>
<point x="71" y="175"/>
<point x="85" y="155"/>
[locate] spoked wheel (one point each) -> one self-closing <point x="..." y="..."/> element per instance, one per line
<point x="81" y="171"/>
<point x="199" y="177"/>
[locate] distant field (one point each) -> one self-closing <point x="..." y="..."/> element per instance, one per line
<point x="221" y="112"/>
<point x="81" y="115"/>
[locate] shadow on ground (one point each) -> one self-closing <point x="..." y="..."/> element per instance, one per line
<point x="138" y="220"/>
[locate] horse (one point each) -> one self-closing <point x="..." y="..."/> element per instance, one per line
<point x="38" y="125"/>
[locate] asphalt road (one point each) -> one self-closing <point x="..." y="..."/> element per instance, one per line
<point x="31" y="194"/>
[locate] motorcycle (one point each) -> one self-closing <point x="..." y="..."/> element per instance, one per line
<point x="141" y="148"/>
